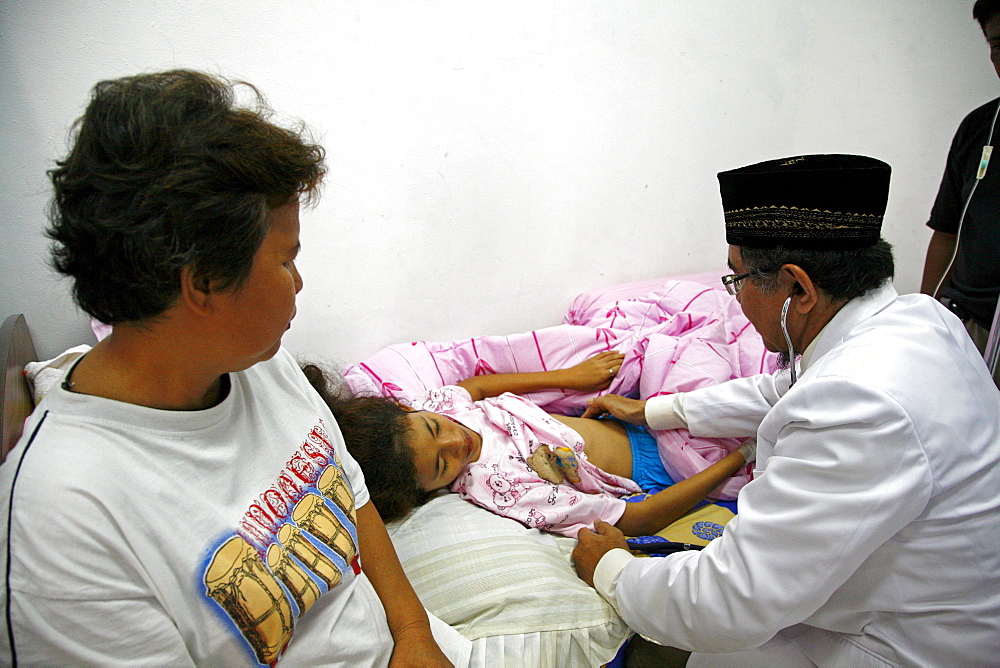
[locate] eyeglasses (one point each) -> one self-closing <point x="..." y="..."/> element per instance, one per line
<point x="732" y="282"/>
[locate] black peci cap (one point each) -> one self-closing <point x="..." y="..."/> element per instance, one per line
<point x="809" y="202"/>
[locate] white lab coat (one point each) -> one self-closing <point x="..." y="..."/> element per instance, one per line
<point x="871" y="532"/>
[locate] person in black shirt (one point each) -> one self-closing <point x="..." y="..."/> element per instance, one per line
<point x="971" y="283"/>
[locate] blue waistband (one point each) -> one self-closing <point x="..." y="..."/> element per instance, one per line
<point x="647" y="468"/>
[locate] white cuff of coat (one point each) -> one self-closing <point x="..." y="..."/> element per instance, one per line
<point x="666" y="412"/>
<point x="608" y="570"/>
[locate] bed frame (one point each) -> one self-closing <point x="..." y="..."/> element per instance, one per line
<point x="16" y="350"/>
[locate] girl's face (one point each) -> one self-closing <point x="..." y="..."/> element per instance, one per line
<point x="442" y="448"/>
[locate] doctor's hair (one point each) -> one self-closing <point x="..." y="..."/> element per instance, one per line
<point x="984" y="10"/>
<point x="166" y="170"/>
<point x="841" y="274"/>
<point x="377" y="435"/>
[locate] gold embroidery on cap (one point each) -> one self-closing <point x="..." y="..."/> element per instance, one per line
<point x="781" y="220"/>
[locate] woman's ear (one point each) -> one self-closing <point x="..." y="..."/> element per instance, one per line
<point x="805" y="294"/>
<point x="196" y="291"/>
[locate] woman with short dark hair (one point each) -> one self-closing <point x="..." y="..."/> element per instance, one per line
<point x="184" y="496"/>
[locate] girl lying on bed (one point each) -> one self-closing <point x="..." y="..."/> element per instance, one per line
<point x="501" y="452"/>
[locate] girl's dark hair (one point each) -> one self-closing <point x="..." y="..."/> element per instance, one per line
<point x="377" y="435"/>
<point x="167" y="170"/>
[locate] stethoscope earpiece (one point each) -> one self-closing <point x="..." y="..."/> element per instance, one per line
<point x="788" y="339"/>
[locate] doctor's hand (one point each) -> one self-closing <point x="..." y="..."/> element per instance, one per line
<point x="628" y="410"/>
<point x="592" y="546"/>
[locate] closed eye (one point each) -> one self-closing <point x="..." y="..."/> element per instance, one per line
<point x="432" y="430"/>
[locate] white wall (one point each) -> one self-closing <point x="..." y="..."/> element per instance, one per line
<point x="490" y="160"/>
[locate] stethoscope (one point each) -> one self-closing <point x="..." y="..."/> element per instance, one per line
<point x="788" y="340"/>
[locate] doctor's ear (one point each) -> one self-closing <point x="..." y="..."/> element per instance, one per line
<point x="802" y="287"/>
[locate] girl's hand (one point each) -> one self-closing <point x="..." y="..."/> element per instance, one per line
<point x="595" y="373"/>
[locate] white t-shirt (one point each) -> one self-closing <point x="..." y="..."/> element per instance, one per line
<point x="215" y="537"/>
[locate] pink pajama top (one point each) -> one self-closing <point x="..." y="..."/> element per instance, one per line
<point x="501" y="480"/>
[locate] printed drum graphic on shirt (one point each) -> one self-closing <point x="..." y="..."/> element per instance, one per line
<point x="295" y="541"/>
<point x="238" y="581"/>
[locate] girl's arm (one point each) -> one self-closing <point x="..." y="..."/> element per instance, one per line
<point x="646" y="517"/>
<point x="408" y="623"/>
<point x="590" y="375"/>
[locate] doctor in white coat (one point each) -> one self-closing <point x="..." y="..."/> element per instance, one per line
<point x="870" y="535"/>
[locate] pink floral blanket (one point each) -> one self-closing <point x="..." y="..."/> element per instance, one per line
<point x="677" y="334"/>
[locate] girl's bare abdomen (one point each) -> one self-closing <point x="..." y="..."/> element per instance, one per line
<point x="605" y="442"/>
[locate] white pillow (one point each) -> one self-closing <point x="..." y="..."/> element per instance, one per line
<point x="510" y="589"/>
